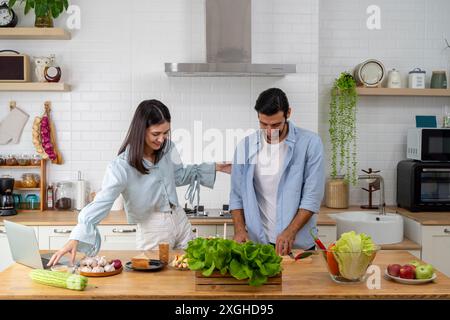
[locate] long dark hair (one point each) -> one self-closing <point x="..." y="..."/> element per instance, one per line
<point x="148" y="113"/>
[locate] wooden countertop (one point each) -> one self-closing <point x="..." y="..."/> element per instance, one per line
<point x="427" y="218"/>
<point x="69" y="218"/>
<point x="304" y="279"/>
<point x="424" y="218"/>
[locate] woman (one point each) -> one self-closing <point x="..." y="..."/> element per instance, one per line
<point x="146" y="173"/>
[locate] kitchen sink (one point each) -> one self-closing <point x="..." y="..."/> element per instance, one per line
<point x="384" y="229"/>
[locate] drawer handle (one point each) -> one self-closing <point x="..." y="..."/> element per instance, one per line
<point x="123" y="230"/>
<point x="2" y="232"/>
<point x="446" y="230"/>
<point x="62" y="231"/>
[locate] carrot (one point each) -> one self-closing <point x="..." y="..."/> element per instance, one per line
<point x="332" y="264"/>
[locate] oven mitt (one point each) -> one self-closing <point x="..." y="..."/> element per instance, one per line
<point x="12" y="125"/>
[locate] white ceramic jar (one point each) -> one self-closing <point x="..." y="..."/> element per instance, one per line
<point x="394" y="79"/>
<point x="416" y="78"/>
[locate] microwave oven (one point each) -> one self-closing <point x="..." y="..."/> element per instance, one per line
<point x="428" y="144"/>
<point x="423" y="186"/>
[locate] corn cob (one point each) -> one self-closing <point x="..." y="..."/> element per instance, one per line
<point x="59" y="279"/>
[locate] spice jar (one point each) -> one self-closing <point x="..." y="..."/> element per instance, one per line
<point x="29" y="181"/>
<point x="35" y="160"/>
<point x="63" y="195"/>
<point x="24" y="160"/>
<point x="11" y="160"/>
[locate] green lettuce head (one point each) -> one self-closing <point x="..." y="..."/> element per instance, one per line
<point x="354" y="253"/>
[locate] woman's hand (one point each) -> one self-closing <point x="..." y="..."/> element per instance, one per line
<point x="71" y="247"/>
<point x="224" y="167"/>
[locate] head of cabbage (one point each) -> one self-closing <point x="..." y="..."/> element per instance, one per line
<point x="354" y="253"/>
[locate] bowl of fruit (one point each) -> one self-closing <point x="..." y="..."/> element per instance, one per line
<point x="413" y="272"/>
<point x="348" y="259"/>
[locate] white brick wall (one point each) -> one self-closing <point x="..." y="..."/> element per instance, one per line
<point x="411" y="36"/>
<point x="116" y="60"/>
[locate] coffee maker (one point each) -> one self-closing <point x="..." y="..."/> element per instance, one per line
<point x="6" y="197"/>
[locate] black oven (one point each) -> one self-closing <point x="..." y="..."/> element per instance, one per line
<point x="423" y="186"/>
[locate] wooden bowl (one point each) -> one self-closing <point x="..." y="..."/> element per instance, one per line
<point x="101" y="274"/>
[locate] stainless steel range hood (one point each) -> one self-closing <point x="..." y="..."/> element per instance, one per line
<point x="228" y="45"/>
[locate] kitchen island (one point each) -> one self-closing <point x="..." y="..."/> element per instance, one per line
<point x="303" y="279"/>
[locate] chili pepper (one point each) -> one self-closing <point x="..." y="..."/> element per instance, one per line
<point x="317" y="240"/>
<point x="303" y="255"/>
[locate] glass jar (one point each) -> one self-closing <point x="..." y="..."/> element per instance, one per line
<point x="29" y="180"/>
<point x="63" y="195"/>
<point x="35" y="160"/>
<point x="24" y="160"/>
<point x="32" y="201"/>
<point x="11" y="160"/>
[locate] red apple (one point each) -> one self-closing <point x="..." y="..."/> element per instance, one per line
<point x="407" y="272"/>
<point x="412" y="266"/>
<point x="394" y="269"/>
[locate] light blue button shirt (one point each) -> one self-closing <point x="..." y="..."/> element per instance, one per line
<point x="301" y="184"/>
<point x="142" y="193"/>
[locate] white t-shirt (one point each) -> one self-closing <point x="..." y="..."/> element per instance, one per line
<point x="270" y="161"/>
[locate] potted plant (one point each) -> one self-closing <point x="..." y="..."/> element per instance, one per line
<point x="342" y="132"/>
<point x="45" y="10"/>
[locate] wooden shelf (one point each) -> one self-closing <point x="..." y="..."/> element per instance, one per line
<point x="362" y="91"/>
<point x="27" y="210"/>
<point x="19" y="167"/>
<point x="42" y="186"/>
<point x="34" y="86"/>
<point x="35" y="33"/>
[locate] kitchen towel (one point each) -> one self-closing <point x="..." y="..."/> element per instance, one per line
<point x="12" y="125"/>
<point x="80" y="194"/>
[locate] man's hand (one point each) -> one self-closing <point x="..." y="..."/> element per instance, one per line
<point x="285" y="241"/>
<point x="240" y="236"/>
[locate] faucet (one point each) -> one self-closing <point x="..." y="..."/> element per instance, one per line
<point x="381" y="206"/>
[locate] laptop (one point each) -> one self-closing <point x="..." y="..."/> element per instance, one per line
<point x="24" y="246"/>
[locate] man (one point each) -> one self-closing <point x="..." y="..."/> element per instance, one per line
<point x="277" y="179"/>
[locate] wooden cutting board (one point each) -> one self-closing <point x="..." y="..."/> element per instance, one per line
<point x="219" y="282"/>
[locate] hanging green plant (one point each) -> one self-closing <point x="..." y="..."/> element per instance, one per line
<point x="343" y="127"/>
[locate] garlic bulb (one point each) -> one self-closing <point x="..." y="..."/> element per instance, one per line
<point x="109" y="268"/>
<point x="102" y="262"/>
<point x="94" y="263"/>
<point x="83" y="262"/>
<point x="98" y="269"/>
<point x="86" y="269"/>
<point x="89" y="261"/>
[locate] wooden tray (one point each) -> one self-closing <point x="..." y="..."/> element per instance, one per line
<point x="101" y="274"/>
<point x="219" y="282"/>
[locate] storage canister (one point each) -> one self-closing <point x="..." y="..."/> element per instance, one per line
<point x="416" y="78"/>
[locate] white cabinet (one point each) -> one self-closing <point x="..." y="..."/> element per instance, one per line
<point x="204" y="231"/>
<point x="118" y="237"/>
<point x="436" y="247"/>
<point x="53" y="237"/>
<point x="5" y="253"/>
<point x="327" y="234"/>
